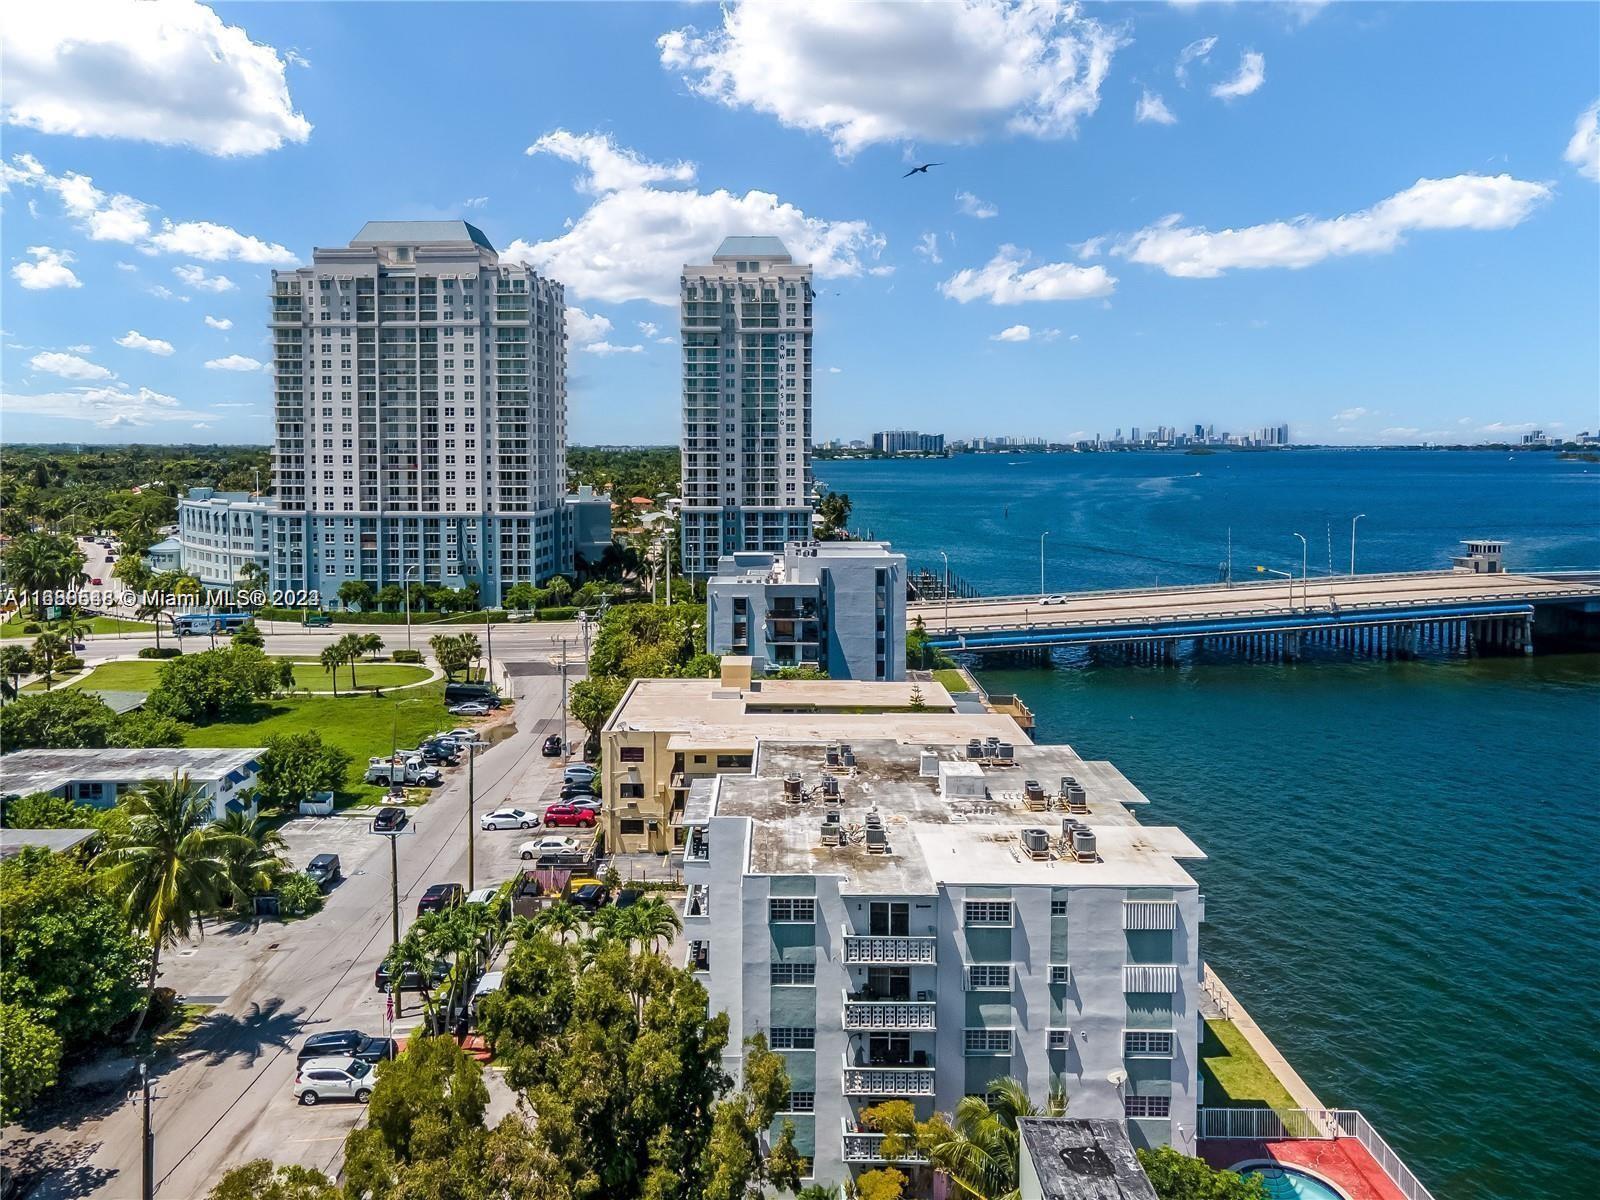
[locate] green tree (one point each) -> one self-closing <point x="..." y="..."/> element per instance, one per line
<point x="30" y="1063"/>
<point x="66" y="955"/>
<point x="1177" y="1176"/>
<point x="299" y="895"/>
<point x="35" y="563"/>
<point x="46" y="810"/>
<point x="261" y="1180"/>
<point x="371" y="644"/>
<point x="915" y="701"/>
<point x="834" y="509"/>
<point x="249" y="634"/>
<point x="298" y="765"/>
<point x="252" y="855"/>
<point x="71" y="719"/>
<point x="818" y="1191"/>
<point x="213" y="685"/>
<point x="167" y="868"/>
<point x="649" y="641"/>
<point x="357" y="593"/>
<point x="15" y="662"/>
<point x="451" y="654"/>
<point x="391" y="597"/>
<point x="332" y="658"/>
<point x="651" y="920"/>
<point x="351" y="646"/>
<point x="592" y="701"/>
<point x="558" y="588"/>
<point x="49" y="648"/>
<point x="520" y="596"/>
<point x="734" y="1166"/>
<point x="139" y="729"/>
<point x="884" y="1183"/>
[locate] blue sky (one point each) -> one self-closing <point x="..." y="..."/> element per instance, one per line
<point x="1376" y="222"/>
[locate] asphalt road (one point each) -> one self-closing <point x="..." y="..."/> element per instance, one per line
<point x="225" y="1099"/>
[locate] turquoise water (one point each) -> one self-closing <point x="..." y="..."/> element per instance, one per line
<point x="1285" y="1183"/>
<point x="1401" y="884"/>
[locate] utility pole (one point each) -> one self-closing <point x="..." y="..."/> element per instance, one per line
<point x="147" y="1157"/>
<point x="488" y="633"/>
<point x="564" y="751"/>
<point x="472" y="824"/>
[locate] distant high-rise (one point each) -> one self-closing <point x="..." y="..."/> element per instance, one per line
<point x="746" y="326"/>
<point x="421" y="415"/>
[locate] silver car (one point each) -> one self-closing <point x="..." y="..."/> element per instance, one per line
<point x="342" y="1078"/>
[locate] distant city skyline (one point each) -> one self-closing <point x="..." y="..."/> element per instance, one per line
<point x="1318" y="214"/>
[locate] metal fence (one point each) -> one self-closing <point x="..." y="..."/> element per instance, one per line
<point x="1284" y="1124"/>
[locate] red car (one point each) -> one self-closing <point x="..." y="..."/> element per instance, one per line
<point x="560" y="815"/>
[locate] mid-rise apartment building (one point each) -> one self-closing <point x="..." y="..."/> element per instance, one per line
<point x="837" y="606"/>
<point x="907" y="441"/>
<point x="745" y="319"/>
<point x="912" y="904"/>
<point x="220" y="532"/>
<point x="420" y="414"/>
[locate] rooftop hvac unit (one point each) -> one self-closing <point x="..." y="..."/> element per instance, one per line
<point x="990" y="743"/>
<point x="832" y="830"/>
<point x="974" y="748"/>
<point x="832" y="759"/>
<point x="1083" y="844"/>
<point x="928" y="764"/>
<point x="1067" y="826"/>
<point x="1067" y="783"/>
<point x="1004" y="751"/>
<point x="847" y="756"/>
<point x="830" y="786"/>
<point x="1077" y="799"/>
<point x="874" y="819"/>
<point x="877" y="840"/>
<point x="1036" y="843"/>
<point x="791" y="787"/>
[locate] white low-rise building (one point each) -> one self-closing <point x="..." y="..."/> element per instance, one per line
<point x="219" y="532"/>
<point x="224" y="777"/>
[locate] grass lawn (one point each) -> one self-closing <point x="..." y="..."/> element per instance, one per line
<point x="1235" y="1076"/>
<point x="13" y="625"/>
<point x="360" y="725"/>
<point x="951" y="681"/>
<point x="139" y="675"/>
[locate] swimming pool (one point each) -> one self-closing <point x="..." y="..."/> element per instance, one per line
<point x="1287" y="1183"/>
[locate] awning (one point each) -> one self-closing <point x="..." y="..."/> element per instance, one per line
<point x="1160" y="979"/>
<point x="1149" y="914"/>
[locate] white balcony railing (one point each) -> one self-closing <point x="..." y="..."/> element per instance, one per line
<point x="888" y="1081"/>
<point x="866" y="949"/>
<point x="863" y="1147"/>
<point x="889" y="1014"/>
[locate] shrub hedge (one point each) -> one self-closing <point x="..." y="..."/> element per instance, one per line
<point x="160" y="652"/>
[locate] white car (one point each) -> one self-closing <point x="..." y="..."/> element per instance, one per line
<point x="343" y="1078"/>
<point x="1052" y="599"/>
<point x="510" y="818"/>
<point x="472" y="708"/>
<point x="464" y="737"/>
<point x="578" y="773"/>
<point x="546" y="845"/>
<point x="592" y="803"/>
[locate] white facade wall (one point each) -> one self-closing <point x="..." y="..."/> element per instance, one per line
<point x="220" y="532"/>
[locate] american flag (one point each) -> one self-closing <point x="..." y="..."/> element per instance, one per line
<point x="388" y="1007"/>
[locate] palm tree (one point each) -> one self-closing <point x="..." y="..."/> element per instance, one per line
<point x="151" y="606"/>
<point x="371" y="643"/>
<point x="414" y="952"/>
<point x="254" y="856"/>
<point x="49" y="648"/>
<point x="471" y="647"/>
<point x="978" y="1151"/>
<point x="332" y="658"/>
<point x="168" y="864"/>
<point x="353" y="646"/>
<point x="36" y="563"/>
<point x="15" y="662"/>
<point x="561" y="918"/>
<point x="654" y="919"/>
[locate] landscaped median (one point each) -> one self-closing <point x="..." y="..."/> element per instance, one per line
<point x="141" y="675"/>
<point x="14" y="625"/>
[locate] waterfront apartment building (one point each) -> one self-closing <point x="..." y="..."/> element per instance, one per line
<point x="907" y="441"/>
<point x="912" y="905"/>
<point x="745" y="319"/>
<point x="836" y="606"/>
<point x="420" y="414"/>
<point x="220" y="532"/>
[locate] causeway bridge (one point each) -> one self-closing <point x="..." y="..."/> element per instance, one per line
<point x="1397" y="615"/>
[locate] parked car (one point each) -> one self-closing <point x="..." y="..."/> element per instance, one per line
<point x="342" y="1078"/>
<point x="389" y="820"/>
<point x="471" y="708"/>
<point x="376" y="1049"/>
<point x="440" y="753"/>
<point x="410" y="981"/>
<point x="333" y="1044"/>
<point x="576" y="791"/>
<point x="314" y="620"/>
<point x="462" y="693"/>
<point x="462" y="738"/>
<point x="537" y="847"/>
<point x="499" y="906"/>
<point x="440" y="897"/>
<point x="578" y="773"/>
<point x="510" y="818"/>
<point x="592" y="896"/>
<point x="628" y="897"/>
<point x="559" y="816"/>
<point x="592" y="803"/>
<point x="554" y="746"/>
<point x="324" y="870"/>
<point x="95" y="582"/>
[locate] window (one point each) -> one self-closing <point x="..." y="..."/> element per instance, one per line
<point x="793" y="1037"/>
<point x="630" y="791"/>
<point x="802" y="1102"/>
<point x="1060" y="973"/>
<point x="1147" y="1043"/>
<point x="1060" y="1039"/>
<point x="1147" y="1106"/>
<point x="795" y="909"/>
<point x="987" y="912"/>
<point x="988" y="1041"/>
<point x="729" y="761"/>
<point x="888" y="918"/>
<point x="632" y="827"/>
<point x="631" y="754"/>
<point x="989" y="977"/>
<point x="796" y="974"/>
<point x="1058" y="908"/>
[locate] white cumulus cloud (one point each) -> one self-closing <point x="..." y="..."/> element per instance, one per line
<point x="1251" y="75"/>
<point x="107" y="405"/>
<point x="1007" y="279"/>
<point x="217" y="243"/>
<point x="134" y="340"/>
<point x="585" y="327"/>
<point x="48" y="269"/>
<point x="928" y="246"/>
<point x="1350" y="414"/>
<point x="219" y="322"/>
<point x="1151" y="107"/>
<point x="972" y="206"/>
<point x="866" y="71"/>
<point x="197" y="278"/>
<point x="1583" y="151"/>
<point x="234" y="362"/>
<point x="68" y="366"/>
<point x="1012" y="333"/>
<point x="1461" y="202"/>
<point x="606" y="348"/>
<point x="164" y="71"/>
<point x="607" y="166"/>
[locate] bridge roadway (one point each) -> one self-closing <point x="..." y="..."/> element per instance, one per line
<point x="1001" y="622"/>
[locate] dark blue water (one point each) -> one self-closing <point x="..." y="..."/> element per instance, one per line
<point x="1402" y="885"/>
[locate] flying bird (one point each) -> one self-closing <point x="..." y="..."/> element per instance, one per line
<point x="923" y="169"/>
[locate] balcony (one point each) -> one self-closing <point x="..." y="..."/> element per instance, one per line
<point x="888" y="1080"/>
<point x="864" y="1146"/>
<point x="859" y="949"/>
<point x="867" y="1012"/>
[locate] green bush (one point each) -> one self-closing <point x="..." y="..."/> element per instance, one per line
<point x="407" y="656"/>
<point x="160" y="652"/>
<point x="30" y="628"/>
<point x="565" y="613"/>
<point x="68" y="664"/>
<point x="299" y="896"/>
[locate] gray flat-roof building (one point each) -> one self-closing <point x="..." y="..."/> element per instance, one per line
<point x="837" y="606"/>
<point x="745" y="319"/>
<point x="421" y="415"/>
<point x="98" y="777"/>
<point x="1070" y="1158"/>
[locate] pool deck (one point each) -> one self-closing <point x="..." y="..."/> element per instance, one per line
<point x="1343" y="1162"/>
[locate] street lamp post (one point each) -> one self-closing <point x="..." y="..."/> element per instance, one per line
<point x="405" y="585"/>
<point x="1353" y="521"/>
<point x="1042" y="537"/>
<point x="946" y="558"/>
<point x="472" y="820"/>
<point x="1305" y="559"/>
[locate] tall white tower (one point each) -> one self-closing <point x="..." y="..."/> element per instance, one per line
<point x="746" y="329"/>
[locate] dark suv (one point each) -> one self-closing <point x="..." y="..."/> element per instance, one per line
<point x="389" y="819"/>
<point x="337" y="1043"/>
<point x="554" y="746"/>
<point x="439" y="897"/>
<point x="324" y="871"/>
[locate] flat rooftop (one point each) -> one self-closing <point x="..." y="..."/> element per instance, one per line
<point x="932" y="839"/>
<point x="25" y="771"/>
<point x="1077" y="1159"/>
<point x="57" y="841"/>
